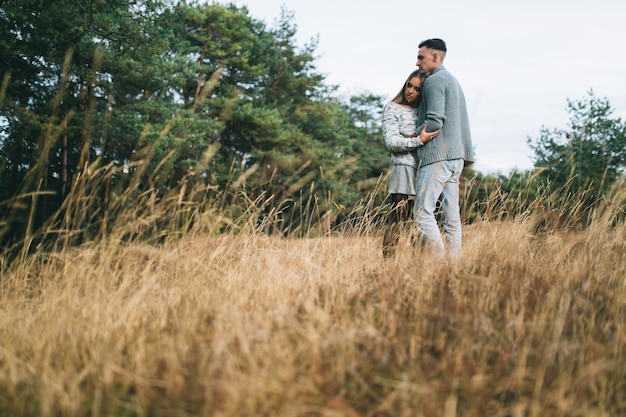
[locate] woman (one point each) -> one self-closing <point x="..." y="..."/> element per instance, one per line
<point x="399" y="124"/>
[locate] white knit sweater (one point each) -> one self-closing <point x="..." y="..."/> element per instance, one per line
<point x="398" y="123"/>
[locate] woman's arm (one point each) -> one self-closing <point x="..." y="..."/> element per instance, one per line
<point x="394" y="140"/>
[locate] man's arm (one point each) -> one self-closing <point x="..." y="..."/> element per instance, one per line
<point x="435" y="96"/>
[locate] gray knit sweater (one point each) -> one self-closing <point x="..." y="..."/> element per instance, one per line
<point x="443" y="107"/>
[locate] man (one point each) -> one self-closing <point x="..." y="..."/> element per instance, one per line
<point x="441" y="160"/>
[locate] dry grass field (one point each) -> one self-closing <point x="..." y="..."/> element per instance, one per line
<point x="524" y="324"/>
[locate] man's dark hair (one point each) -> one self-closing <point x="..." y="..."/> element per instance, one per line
<point x="434" y="43"/>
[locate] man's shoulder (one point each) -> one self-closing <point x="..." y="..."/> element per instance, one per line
<point x="439" y="79"/>
<point x="442" y="77"/>
<point x="441" y="73"/>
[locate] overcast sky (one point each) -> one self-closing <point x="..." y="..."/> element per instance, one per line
<point x="518" y="62"/>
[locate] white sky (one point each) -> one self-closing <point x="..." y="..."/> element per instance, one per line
<point x="518" y="62"/>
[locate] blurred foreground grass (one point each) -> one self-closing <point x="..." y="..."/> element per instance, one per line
<point x="524" y="324"/>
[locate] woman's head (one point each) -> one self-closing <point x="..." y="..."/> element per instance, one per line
<point x="411" y="92"/>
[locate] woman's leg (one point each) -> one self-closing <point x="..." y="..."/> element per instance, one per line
<point x="401" y="208"/>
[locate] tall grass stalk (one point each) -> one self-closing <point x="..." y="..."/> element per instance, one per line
<point x="246" y="323"/>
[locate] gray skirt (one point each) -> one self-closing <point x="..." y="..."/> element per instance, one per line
<point x="402" y="180"/>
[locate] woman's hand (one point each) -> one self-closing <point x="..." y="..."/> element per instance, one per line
<point x="427" y="136"/>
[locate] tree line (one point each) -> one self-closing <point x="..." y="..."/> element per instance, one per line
<point x="159" y="95"/>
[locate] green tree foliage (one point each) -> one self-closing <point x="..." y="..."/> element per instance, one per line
<point x="166" y="99"/>
<point x="189" y="94"/>
<point x="61" y="59"/>
<point x="574" y="169"/>
<point x="591" y="154"/>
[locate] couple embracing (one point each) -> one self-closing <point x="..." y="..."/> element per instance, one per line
<point x="426" y="129"/>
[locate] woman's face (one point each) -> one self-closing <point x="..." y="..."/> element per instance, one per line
<point x="413" y="89"/>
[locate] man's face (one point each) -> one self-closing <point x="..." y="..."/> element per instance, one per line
<point x="426" y="59"/>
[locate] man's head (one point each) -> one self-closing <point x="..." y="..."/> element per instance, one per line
<point x="431" y="54"/>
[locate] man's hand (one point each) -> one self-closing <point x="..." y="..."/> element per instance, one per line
<point x="427" y="136"/>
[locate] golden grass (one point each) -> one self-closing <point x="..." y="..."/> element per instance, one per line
<point x="251" y="325"/>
